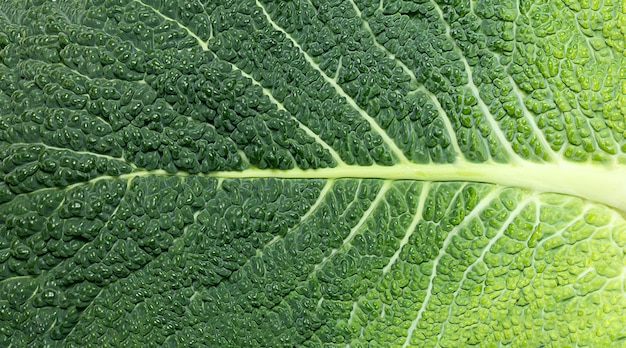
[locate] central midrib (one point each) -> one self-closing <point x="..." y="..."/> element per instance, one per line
<point x="595" y="183"/>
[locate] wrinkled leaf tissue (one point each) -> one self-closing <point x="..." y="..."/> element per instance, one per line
<point x="312" y="173"/>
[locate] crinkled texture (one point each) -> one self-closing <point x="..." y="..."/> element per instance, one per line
<point x="182" y="173"/>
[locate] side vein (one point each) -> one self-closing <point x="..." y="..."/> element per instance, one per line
<point x="484" y="203"/>
<point x="416" y="219"/>
<point x="386" y="138"/>
<point x="495" y="127"/>
<point x="442" y="114"/>
<point x="499" y="234"/>
<point x="205" y="47"/>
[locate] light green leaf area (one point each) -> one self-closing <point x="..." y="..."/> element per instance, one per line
<point x="312" y="173"/>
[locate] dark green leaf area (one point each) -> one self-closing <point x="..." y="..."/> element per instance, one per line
<point x="31" y="167"/>
<point x="278" y="66"/>
<point x="205" y="88"/>
<point x="41" y="230"/>
<point x="167" y="299"/>
<point x="135" y="257"/>
<point x="177" y="108"/>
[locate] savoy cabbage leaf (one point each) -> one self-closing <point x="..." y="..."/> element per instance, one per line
<point x="337" y="173"/>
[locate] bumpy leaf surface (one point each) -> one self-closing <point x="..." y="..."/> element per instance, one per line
<point x="337" y="173"/>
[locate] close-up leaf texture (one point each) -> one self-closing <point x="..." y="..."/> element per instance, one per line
<point x="312" y="173"/>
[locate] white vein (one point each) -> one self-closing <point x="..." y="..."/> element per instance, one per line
<point x="205" y="47"/>
<point x="528" y="116"/>
<point x="484" y="203"/>
<point x="592" y="51"/>
<point x="417" y="217"/>
<point x="312" y="209"/>
<point x="302" y="126"/>
<point x="421" y="88"/>
<point x="584" y="273"/>
<point x="319" y="302"/>
<point x="323" y="193"/>
<point x="379" y="197"/>
<point x="355" y="305"/>
<point x="495" y="127"/>
<point x="242" y="154"/>
<point x="203" y="44"/>
<point x="338" y="69"/>
<point x="325" y="190"/>
<point x="512" y="215"/>
<point x="10" y="279"/>
<point x="373" y="124"/>
<point x="78" y="152"/>
<point x="453" y="201"/>
<point x="219" y="183"/>
<point x="541" y="137"/>
<point x="548" y="90"/>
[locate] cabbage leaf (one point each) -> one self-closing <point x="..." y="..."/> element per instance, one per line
<point x="336" y="173"/>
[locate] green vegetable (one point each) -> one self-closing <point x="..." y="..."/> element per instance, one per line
<point x="336" y="173"/>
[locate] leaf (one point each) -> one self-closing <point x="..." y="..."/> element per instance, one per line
<point x="312" y="173"/>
